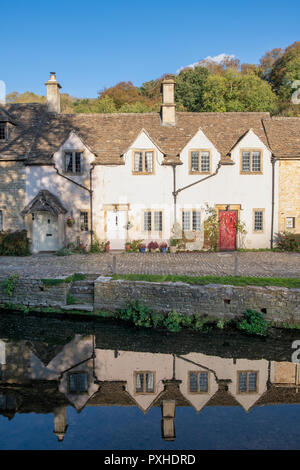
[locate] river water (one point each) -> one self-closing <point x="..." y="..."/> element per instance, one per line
<point x="100" y="385"/>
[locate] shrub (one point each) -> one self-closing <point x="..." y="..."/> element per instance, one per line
<point x="287" y="241"/>
<point x="139" y="314"/>
<point x="253" y="323"/>
<point x="97" y="246"/>
<point x="14" y="243"/>
<point x="9" y="284"/>
<point x="135" y="245"/>
<point x="63" y="252"/>
<point x="158" y="319"/>
<point x="173" y="322"/>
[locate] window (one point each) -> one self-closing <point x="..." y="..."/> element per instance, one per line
<point x="3" y="131"/>
<point x="78" y="382"/>
<point x="258" y="216"/>
<point x="144" y="382"/>
<point x="84" y="221"/>
<point x="191" y="220"/>
<point x="153" y="221"/>
<point x="200" y="161"/>
<point x="7" y="402"/>
<point x="1" y="221"/>
<point x="247" y="381"/>
<point x="143" y="162"/>
<point x="198" y="382"/>
<point x="73" y="162"/>
<point x="251" y="161"/>
<point x="289" y="222"/>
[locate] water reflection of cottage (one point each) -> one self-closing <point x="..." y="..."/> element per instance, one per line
<point x="42" y="378"/>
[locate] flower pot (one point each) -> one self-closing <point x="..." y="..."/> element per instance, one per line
<point x="107" y="248"/>
<point x="127" y="247"/>
<point x="143" y="250"/>
<point x="173" y="249"/>
<point x="163" y="250"/>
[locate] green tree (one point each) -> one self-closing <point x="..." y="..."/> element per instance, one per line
<point x="189" y="88"/>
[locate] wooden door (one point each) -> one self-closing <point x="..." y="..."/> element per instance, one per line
<point x="116" y="229"/>
<point x="227" y="230"/>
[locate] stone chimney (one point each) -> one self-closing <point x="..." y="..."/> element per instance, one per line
<point x="168" y="112"/>
<point x="53" y="96"/>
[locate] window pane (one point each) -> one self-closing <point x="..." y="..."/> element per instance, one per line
<point x="205" y="162"/>
<point x="252" y="379"/>
<point x="196" y="221"/>
<point x="72" y="383"/>
<point x="138" y="161"/>
<point x="246" y="161"/>
<point x="78" y="168"/>
<point x="2" y="402"/>
<point x="243" y="382"/>
<point x="158" y="221"/>
<point x="186" y="220"/>
<point x="193" y="382"/>
<point x="82" y="382"/>
<point x="256" y="161"/>
<point x="195" y="161"/>
<point x="84" y="221"/>
<point x="149" y="162"/>
<point x="147" y="221"/>
<point x="69" y="161"/>
<point x="150" y="382"/>
<point x="258" y="220"/>
<point x="203" y="382"/>
<point x="139" y="383"/>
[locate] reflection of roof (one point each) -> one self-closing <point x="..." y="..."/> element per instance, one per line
<point x="111" y="393"/>
<point x="279" y="395"/>
<point x="45" y="352"/>
<point x="45" y="201"/>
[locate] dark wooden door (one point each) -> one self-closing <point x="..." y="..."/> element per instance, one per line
<point x="227" y="230"/>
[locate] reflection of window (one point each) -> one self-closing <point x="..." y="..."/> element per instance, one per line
<point x="198" y="382"/>
<point x="191" y="220"/>
<point x="143" y="161"/>
<point x="3" y="131"/>
<point x="251" y="161"/>
<point x="247" y="381"/>
<point x="73" y="162"/>
<point x="200" y="161"/>
<point x="1" y="221"/>
<point x="144" y="382"/>
<point x="153" y="221"/>
<point x="7" y="402"/>
<point x="78" y="382"/>
<point x="84" y="221"/>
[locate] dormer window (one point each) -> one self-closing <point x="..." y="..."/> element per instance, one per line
<point x="143" y="162"/>
<point x="73" y="162"/>
<point x="200" y="162"/>
<point x="3" y="131"/>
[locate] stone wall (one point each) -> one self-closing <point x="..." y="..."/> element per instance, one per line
<point x="32" y="292"/>
<point x="289" y="194"/>
<point x="12" y="194"/>
<point x="216" y="301"/>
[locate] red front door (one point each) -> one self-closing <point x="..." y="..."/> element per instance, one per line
<point x="227" y="230"/>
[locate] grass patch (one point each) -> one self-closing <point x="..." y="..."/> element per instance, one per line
<point x="204" y="280"/>
<point x="67" y="280"/>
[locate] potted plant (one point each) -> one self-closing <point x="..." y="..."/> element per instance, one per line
<point x="153" y="246"/>
<point x="107" y="246"/>
<point x="127" y="246"/>
<point x="142" y="248"/>
<point x="70" y="221"/>
<point x="173" y="245"/>
<point x="163" y="247"/>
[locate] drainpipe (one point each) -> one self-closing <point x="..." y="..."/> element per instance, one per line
<point x="176" y="192"/>
<point x="273" y="161"/>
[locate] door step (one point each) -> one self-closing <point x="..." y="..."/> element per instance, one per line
<point x="83" y="307"/>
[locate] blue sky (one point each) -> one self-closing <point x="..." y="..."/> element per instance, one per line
<point x="93" y="44"/>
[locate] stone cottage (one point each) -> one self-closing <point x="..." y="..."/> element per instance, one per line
<point x="128" y="176"/>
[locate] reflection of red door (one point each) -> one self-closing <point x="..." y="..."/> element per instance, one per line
<point x="227" y="230"/>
